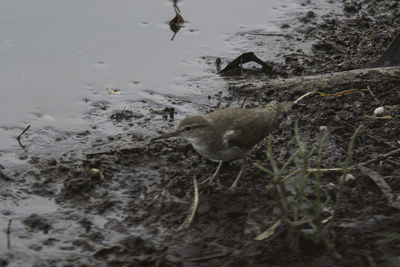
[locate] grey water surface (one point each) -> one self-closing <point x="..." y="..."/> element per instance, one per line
<point x="59" y="59"/>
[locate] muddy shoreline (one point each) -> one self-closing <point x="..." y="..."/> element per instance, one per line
<point x="131" y="216"/>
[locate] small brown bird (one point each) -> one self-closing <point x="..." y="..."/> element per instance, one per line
<point x="229" y="134"/>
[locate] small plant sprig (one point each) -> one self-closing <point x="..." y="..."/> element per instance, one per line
<point x="299" y="213"/>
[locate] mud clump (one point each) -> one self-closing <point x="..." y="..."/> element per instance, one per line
<point x="35" y="222"/>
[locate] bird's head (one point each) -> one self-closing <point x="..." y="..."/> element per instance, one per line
<point x="191" y="128"/>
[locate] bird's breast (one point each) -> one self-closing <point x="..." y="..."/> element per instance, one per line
<point x="217" y="153"/>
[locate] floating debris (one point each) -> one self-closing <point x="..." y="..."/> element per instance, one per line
<point x="94" y="171"/>
<point x="114" y="91"/>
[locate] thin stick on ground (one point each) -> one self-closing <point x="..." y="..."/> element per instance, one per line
<point x="19" y="136"/>
<point x="210" y="256"/>
<point x="303" y="96"/>
<point x="325" y="170"/>
<point x="193" y="208"/>
<point x="381" y="157"/>
<point x="373" y="95"/>
<point x="244" y="101"/>
<point x="388" y="92"/>
<point x="341" y="50"/>
<point x="383" y="186"/>
<point x="8" y="234"/>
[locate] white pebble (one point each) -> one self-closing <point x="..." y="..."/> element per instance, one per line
<point x="323" y="128"/>
<point x="379" y="111"/>
<point x="349" y="177"/>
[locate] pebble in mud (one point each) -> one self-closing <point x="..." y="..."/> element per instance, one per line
<point x="379" y="111"/>
<point x="35" y="222"/>
<point x="83" y="133"/>
<point x="35" y="247"/>
<point x="51" y="162"/>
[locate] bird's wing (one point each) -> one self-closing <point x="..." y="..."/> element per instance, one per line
<point x="244" y="128"/>
<point x="250" y="131"/>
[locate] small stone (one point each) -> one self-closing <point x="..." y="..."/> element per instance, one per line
<point x="379" y="111"/>
<point x="35" y="222"/>
<point x="349" y="177"/>
<point x="310" y="14"/>
<point x="51" y="162"/>
<point x="35" y="247"/>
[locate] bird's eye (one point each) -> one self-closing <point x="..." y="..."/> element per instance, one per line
<point x="188" y="128"/>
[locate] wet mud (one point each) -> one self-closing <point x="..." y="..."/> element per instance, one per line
<point x="121" y="202"/>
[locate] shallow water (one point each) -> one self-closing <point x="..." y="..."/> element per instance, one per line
<point x="59" y="57"/>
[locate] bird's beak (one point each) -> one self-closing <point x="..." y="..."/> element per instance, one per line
<point x="167" y="135"/>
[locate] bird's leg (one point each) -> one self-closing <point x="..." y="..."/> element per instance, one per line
<point x="241" y="173"/>
<point x="215" y="175"/>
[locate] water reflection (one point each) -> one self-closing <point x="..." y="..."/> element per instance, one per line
<point x="176" y="23"/>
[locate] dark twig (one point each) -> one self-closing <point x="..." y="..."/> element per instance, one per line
<point x="19" y="136"/>
<point x="210" y="256"/>
<point x="341" y="50"/>
<point x="381" y="157"/>
<point x="296" y="55"/>
<point x="218" y="64"/>
<point x="8" y="234"/>
<point x="171" y="113"/>
<point x="388" y="91"/>
<point x="266" y="34"/>
<point x="244" y="101"/>
<point x="372" y="95"/>
<point x="381" y="95"/>
<point x="244" y="58"/>
<point x="383" y="186"/>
